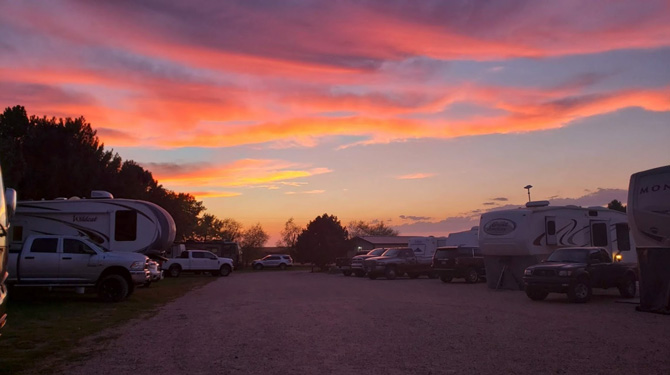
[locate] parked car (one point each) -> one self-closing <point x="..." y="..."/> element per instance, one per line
<point x="197" y="261"/>
<point x="282" y="261"/>
<point x="155" y="272"/>
<point x="575" y="271"/>
<point x="459" y="262"/>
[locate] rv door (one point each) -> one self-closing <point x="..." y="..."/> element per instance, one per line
<point x="550" y="229"/>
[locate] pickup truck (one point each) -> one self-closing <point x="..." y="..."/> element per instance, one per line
<point x="354" y="265"/>
<point x="75" y="261"/>
<point x="395" y="262"/>
<point x="575" y="271"/>
<point x="198" y="261"/>
<point x="451" y="262"/>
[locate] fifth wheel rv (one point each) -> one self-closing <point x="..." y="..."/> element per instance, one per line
<point x="114" y="224"/>
<point x="649" y="215"/>
<point x="511" y="240"/>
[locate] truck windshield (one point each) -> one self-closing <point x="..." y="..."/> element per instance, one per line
<point x="377" y="252"/>
<point x="391" y="252"/>
<point x="569" y="256"/>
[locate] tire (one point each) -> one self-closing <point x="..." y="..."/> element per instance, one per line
<point x="627" y="287"/>
<point x="112" y="288"/>
<point x="258" y="266"/>
<point x="225" y="270"/>
<point x="372" y="276"/>
<point x="471" y="276"/>
<point x="580" y="291"/>
<point x="536" y="294"/>
<point x="174" y="270"/>
<point x="390" y="273"/>
<point x="446" y="278"/>
<point x="346" y="272"/>
<point x="413" y="275"/>
<point x="282" y="266"/>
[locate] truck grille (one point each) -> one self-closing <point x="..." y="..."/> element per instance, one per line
<point x="544" y="273"/>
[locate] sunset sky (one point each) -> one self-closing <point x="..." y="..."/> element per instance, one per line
<point x="423" y="114"/>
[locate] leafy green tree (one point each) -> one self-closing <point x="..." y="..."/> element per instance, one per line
<point x="373" y="228"/>
<point x="616" y="205"/>
<point x="322" y="241"/>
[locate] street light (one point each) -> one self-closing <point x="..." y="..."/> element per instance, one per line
<point x="527" y="187"/>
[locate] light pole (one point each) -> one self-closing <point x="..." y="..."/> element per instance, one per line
<point x="527" y="187"/>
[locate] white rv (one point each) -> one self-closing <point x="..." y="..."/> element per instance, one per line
<point x="467" y="238"/>
<point x="649" y="215"/>
<point x="115" y="224"/>
<point x="511" y="240"/>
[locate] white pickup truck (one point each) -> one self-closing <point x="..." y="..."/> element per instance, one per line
<point x="198" y="261"/>
<point x="75" y="261"/>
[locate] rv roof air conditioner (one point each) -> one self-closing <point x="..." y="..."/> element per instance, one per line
<point x="101" y="194"/>
<point x="537" y="204"/>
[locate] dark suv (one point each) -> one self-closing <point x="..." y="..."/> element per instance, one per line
<point x="575" y="271"/>
<point x="465" y="262"/>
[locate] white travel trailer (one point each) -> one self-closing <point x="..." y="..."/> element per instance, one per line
<point x="467" y="238"/>
<point x="424" y="247"/>
<point x="649" y="215"/>
<point x="511" y="240"/>
<point x="115" y="224"/>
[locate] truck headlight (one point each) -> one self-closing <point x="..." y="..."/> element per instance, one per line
<point x="137" y="266"/>
<point x="564" y="273"/>
<point x="527" y="272"/>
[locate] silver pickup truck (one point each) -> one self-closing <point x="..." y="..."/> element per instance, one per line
<point x="75" y="261"/>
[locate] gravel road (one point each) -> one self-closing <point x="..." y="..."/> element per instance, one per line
<point x="297" y="322"/>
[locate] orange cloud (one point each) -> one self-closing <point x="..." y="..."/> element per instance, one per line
<point x="415" y="176"/>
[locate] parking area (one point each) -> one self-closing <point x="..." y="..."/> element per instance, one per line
<point x="297" y="322"/>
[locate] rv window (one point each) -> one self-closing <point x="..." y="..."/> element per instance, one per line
<point x="599" y="234"/>
<point x="623" y="236"/>
<point x="71" y="246"/>
<point x="44" y="245"/>
<point x="17" y="235"/>
<point x="125" y="225"/>
<point x="551" y="227"/>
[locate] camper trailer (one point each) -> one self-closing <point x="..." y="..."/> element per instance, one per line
<point x="511" y="240"/>
<point x="649" y="215"/>
<point x="114" y="224"/>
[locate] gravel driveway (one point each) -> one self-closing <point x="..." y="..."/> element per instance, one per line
<point x="297" y="322"/>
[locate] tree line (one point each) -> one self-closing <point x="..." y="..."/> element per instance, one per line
<point x="46" y="158"/>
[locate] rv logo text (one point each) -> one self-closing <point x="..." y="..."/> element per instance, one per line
<point x="78" y="219"/>
<point x="499" y="227"/>
<point x="654" y="188"/>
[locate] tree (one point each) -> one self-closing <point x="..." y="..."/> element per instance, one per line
<point x="373" y="228"/>
<point x="289" y="235"/>
<point x="231" y="230"/>
<point x="209" y="228"/>
<point x="616" y="205"/>
<point x="253" y="239"/>
<point x="322" y="241"/>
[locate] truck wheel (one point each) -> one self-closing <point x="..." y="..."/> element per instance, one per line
<point x="224" y="270"/>
<point x="471" y="276"/>
<point x="282" y="266"/>
<point x="580" y="291"/>
<point x="446" y="278"/>
<point x="627" y="287"/>
<point x="372" y="276"/>
<point x="390" y="273"/>
<point x="174" y="270"/>
<point x="346" y="272"/>
<point x="412" y="275"/>
<point x="536" y="294"/>
<point x="112" y="288"/>
<point x="258" y="266"/>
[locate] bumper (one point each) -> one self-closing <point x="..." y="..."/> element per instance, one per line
<point x="140" y="277"/>
<point x="550" y="284"/>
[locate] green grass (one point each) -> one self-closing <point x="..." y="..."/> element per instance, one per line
<point x="47" y="326"/>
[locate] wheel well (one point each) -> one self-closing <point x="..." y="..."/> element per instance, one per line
<point x="117" y="270"/>
<point x="176" y="265"/>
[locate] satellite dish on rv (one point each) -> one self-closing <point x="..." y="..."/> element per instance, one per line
<point x="101" y="194"/>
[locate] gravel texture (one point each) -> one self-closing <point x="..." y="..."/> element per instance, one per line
<point x="297" y="322"/>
